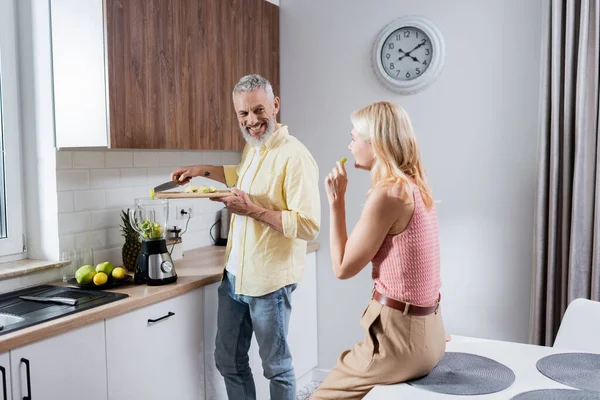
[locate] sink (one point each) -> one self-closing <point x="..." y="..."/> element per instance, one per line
<point x="7" y="319"/>
<point x="16" y="313"/>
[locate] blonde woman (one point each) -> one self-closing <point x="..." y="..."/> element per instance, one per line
<point x="398" y="233"/>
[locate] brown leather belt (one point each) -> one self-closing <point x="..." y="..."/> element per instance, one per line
<point x="405" y="308"/>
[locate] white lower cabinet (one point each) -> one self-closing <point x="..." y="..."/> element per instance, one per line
<point x="68" y="366"/>
<point x="157" y="352"/>
<point x="302" y="336"/>
<point x="5" y="390"/>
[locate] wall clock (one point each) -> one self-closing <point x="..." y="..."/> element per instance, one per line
<point x="408" y="54"/>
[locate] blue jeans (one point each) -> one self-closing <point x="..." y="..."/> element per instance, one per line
<point x="268" y="317"/>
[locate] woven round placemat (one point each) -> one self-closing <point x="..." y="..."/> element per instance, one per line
<point x="557" y="394"/>
<point x="466" y="374"/>
<point x="577" y="370"/>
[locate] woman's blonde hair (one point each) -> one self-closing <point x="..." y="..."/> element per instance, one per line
<point x="397" y="160"/>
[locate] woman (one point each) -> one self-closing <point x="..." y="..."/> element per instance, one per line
<point x="398" y="233"/>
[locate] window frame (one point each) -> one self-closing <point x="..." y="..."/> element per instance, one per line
<point x="11" y="247"/>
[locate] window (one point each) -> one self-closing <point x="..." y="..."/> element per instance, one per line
<point x="11" y="213"/>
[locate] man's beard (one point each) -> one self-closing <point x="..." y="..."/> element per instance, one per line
<point x="258" y="141"/>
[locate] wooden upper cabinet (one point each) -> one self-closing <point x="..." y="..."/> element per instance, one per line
<point x="172" y="65"/>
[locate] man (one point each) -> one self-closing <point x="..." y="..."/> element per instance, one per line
<point x="275" y="209"/>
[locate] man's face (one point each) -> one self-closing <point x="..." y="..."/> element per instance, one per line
<point x="256" y="114"/>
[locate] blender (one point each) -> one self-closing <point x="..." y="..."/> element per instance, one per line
<point x="154" y="265"/>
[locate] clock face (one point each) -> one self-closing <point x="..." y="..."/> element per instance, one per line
<point x="406" y="53"/>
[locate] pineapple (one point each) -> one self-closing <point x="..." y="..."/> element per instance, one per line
<point x="132" y="246"/>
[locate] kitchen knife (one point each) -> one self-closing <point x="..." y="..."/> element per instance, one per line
<point x="166" y="186"/>
<point x="60" y="300"/>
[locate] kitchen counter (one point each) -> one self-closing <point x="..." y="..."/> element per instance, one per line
<point x="199" y="267"/>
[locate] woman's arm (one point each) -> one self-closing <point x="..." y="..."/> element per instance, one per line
<point x="349" y="255"/>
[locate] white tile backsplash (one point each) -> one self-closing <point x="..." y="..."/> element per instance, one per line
<point x="145" y="158"/>
<point x="72" y="179"/>
<point x="170" y="158"/>
<point x="114" y="237"/>
<point x="230" y="157"/>
<point x="88" y="159"/>
<point x="67" y="242"/>
<point x="142" y="191"/>
<point x="158" y="175"/>
<point x="75" y="222"/>
<point x="105" y="219"/>
<point x="119" y="159"/>
<point x="94" y="186"/>
<point x="192" y="158"/>
<point x="122" y="197"/>
<point x="104" y="178"/>
<point x="65" y="202"/>
<point x="211" y="158"/>
<point x="114" y="255"/>
<point x="133" y="177"/>
<point x="92" y="240"/>
<point x="64" y="160"/>
<point x="86" y="200"/>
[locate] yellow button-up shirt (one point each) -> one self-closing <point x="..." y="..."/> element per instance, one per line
<point x="286" y="180"/>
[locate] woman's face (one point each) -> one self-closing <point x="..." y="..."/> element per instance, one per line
<point x="361" y="150"/>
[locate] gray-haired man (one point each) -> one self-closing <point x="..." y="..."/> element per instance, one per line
<point x="276" y="209"/>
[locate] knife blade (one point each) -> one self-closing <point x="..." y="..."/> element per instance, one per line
<point x="60" y="300"/>
<point x="166" y="186"/>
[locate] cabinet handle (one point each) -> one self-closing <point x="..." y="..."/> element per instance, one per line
<point x="170" y="314"/>
<point x="3" y="383"/>
<point x="26" y="362"/>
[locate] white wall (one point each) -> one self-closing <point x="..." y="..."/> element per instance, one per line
<point x="477" y="126"/>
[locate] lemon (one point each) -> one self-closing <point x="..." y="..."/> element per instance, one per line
<point x="118" y="273"/>
<point x="100" y="279"/>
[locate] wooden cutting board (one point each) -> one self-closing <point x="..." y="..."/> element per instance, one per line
<point x="183" y="195"/>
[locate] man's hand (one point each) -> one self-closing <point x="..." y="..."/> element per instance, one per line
<point x="238" y="203"/>
<point x="184" y="174"/>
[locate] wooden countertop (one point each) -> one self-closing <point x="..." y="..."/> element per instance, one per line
<point x="199" y="267"/>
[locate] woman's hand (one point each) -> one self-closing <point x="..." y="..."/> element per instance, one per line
<point x="335" y="183"/>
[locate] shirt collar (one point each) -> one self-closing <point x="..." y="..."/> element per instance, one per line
<point x="277" y="136"/>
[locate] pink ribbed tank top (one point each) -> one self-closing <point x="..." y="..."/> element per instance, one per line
<point x="407" y="266"/>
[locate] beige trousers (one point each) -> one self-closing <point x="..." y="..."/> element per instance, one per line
<point x="396" y="348"/>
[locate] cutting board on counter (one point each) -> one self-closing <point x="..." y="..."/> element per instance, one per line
<point x="184" y="195"/>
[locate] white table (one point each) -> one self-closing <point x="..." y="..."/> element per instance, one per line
<point x="521" y="358"/>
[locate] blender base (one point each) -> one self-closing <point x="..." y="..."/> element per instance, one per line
<point x="154" y="265"/>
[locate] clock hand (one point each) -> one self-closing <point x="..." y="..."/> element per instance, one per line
<point x="414" y="48"/>
<point x="408" y="55"/>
